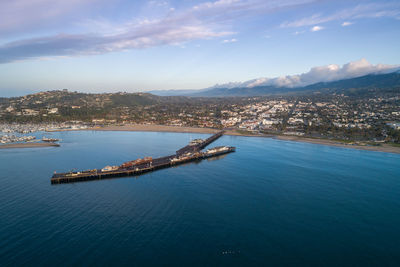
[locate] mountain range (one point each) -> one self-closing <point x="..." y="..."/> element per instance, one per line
<point x="358" y="85"/>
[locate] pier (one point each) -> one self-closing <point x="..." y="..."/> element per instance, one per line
<point x="191" y="148"/>
<point x="189" y="153"/>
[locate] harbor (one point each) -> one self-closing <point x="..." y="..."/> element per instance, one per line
<point x="189" y="153"/>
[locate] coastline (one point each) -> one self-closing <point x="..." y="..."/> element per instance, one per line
<point x="155" y="128"/>
<point x="29" y="145"/>
<point x="382" y="148"/>
<point x="180" y="129"/>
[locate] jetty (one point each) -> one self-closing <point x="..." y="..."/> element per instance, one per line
<point x="28" y="145"/>
<point x="189" y="153"/>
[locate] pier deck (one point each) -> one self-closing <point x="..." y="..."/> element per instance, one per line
<point x="186" y="154"/>
<point x="194" y="148"/>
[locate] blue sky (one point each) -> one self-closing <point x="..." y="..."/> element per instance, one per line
<point x="120" y="45"/>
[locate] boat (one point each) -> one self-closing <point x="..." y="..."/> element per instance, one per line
<point x="51" y="140"/>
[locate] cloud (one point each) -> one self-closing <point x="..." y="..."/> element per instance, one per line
<point x="332" y="72"/>
<point x="216" y="4"/>
<point x="346" y="23"/>
<point x="22" y="15"/>
<point x="316" y="28"/>
<point x="376" y="10"/>
<point x="157" y="3"/>
<point x="298" y="32"/>
<point x="204" y="21"/>
<point x="87" y="44"/>
<point x="229" y="41"/>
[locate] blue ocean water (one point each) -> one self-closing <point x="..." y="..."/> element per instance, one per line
<point x="271" y="203"/>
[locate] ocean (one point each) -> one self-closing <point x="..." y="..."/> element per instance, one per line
<point x="271" y="203"/>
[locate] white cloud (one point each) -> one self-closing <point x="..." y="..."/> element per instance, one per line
<point x="153" y="34"/>
<point x="375" y="10"/>
<point x="205" y="21"/>
<point x="332" y="72"/>
<point x="316" y="28"/>
<point x="157" y="3"/>
<point x="229" y="41"/>
<point x="347" y="23"/>
<point x="219" y="3"/>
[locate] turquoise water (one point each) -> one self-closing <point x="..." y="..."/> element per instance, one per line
<point x="270" y="203"/>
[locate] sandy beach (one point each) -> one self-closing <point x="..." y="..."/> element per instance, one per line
<point x="28" y="145"/>
<point x="155" y="128"/>
<point x="177" y="129"/>
<point x="382" y="148"/>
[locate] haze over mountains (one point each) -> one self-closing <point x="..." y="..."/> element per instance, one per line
<point x="357" y="74"/>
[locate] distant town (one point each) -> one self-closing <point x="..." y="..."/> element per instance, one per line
<point x="362" y="118"/>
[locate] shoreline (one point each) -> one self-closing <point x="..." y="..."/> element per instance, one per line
<point x="326" y="142"/>
<point x="181" y="129"/>
<point x="28" y="145"/>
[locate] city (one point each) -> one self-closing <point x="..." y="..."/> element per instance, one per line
<point x="332" y="116"/>
<point x="200" y="133"/>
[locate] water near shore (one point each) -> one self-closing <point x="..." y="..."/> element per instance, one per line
<point x="181" y="129"/>
<point x="272" y="203"/>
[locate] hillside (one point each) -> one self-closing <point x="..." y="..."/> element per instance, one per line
<point x="61" y="105"/>
<point x="64" y="106"/>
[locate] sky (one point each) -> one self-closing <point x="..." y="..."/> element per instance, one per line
<point x="123" y="45"/>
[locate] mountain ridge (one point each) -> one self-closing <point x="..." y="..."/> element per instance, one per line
<point x="375" y="80"/>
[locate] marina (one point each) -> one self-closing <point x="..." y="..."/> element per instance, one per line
<point x="189" y="153"/>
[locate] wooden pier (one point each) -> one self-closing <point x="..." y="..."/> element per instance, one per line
<point x="186" y="154"/>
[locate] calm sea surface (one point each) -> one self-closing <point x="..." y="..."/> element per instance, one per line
<point x="270" y="203"/>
